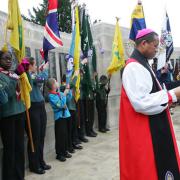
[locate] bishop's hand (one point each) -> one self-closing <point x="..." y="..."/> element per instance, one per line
<point x="177" y="92"/>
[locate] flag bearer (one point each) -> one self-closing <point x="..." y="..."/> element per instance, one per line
<point x="58" y="101"/>
<point x="12" y="120"/>
<point x="38" y="118"/>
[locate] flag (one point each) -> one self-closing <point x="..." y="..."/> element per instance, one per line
<point x="84" y="35"/>
<point x="77" y="52"/>
<point x="86" y="48"/>
<point x="91" y="46"/>
<point x="166" y="43"/>
<point x="168" y="39"/>
<point x="51" y="31"/>
<point x="137" y="21"/>
<point x="94" y="62"/>
<point x="118" y="60"/>
<point x="14" y="24"/>
<point x="70" y="58"/>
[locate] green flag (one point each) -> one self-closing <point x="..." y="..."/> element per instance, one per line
<point x="85" y="48"/>
<point x="91" y="45"/>
<point x="84" y="35"/>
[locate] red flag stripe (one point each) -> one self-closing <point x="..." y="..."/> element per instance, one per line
<point x="53" y="4"/>
<point x="49" y="31"/>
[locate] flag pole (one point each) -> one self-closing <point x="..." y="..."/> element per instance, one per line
<point x="28" y="119"/>
<point x="29" y="130"/>
<point x="29" y="124"/>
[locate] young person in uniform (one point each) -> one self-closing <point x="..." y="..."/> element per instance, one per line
<point x="12" y="122"/>
<point x="38" y="118"/>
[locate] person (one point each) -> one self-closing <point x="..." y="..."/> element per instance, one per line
<point x="12" y="120"/>
<point x="82" y="109"/>
<point x="72" y="123"/>
<point x="87" y="97"/>
<point x="38" y="118"/>
<point x="147" y="147"/>
<point x="90" y="105"/>
<point x="164" y="76"/>
<point x="154" y="65"/>
<point x="58" y="102"/>
<point x="101" y="102"/>
<point x="72" y="106"/>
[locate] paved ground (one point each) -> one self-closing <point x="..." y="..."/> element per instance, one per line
<point x="176" y="122"/>
<point x="97" y="161"/>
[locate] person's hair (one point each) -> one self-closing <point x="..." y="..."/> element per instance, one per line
<point x="50" y="83"/>
<point x="2" y="52"/>
<point x="31" y="60"/>
<point x="103" y="78"/>
<point x="149" y="38"/>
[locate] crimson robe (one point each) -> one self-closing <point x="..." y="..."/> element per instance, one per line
<point x="147" y="148"/>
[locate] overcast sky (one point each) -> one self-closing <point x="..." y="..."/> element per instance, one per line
<point x="108" y="10"/>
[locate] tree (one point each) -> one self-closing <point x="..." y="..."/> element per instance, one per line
<point x="64" y="15"/>
<point x="65" y="21"/>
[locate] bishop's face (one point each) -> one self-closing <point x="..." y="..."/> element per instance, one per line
<point x="151" y="48"/>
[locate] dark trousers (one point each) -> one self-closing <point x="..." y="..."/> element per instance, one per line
<point x="69" y="133"/>
<point x="102" y="116"/>
<point x="61" y="136"/>
<point x="90" y="116"/>
<point x="38" y="120"/>
<point x="12" y="134"/>
<point x="74" y="126"/>
<point x="82" y="116"/>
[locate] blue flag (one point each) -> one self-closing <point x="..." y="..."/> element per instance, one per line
<point x="137" y="21"/>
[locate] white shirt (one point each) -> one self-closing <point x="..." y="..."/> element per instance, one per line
<point x="138" y="83"/>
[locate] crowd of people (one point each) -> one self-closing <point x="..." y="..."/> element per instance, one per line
<point x="74" y="121"/>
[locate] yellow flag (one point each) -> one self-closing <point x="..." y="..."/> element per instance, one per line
<point x="17" y="42"/>
<point x="25" y="90"/>
<point x="77" y="53"/>
<point x="16" y="27"/>
<point x="118" y="60"/>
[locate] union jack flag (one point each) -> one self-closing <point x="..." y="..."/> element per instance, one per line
<point x="51" y="31"/>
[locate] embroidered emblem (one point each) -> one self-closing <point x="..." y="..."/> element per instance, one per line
<point x="169" y="176"/>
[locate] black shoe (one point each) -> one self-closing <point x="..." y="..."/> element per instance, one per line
<point x="60" y="158"/>
<point x="46" y="167"/>
<point x="93" y="132"/>
<point x="79" y="147"/>
<point x="102" y="130"/>
<point x="67" y="155"/>
<point x="91" y="135"/>
<point x="38" y="171"/>
<point x="72" y="151"/>
<point x="78" y="142"/>
<point x="84" y="140"/>
<point x="107" y="129"/>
